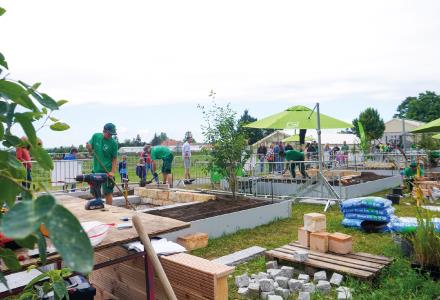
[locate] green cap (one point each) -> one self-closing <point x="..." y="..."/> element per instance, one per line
<point x="413" y="165"/>
<point x="110" y="128"/>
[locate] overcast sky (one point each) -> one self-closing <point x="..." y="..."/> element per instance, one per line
<point x="145" y="65"/>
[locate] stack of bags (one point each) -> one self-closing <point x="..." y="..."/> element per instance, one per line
<point x="358" y="210"/>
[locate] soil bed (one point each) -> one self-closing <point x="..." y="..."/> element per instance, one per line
<point x="365" y="177"/>
<point x="223" y="204"/>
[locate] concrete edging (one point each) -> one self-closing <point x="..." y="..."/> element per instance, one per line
<point x="230" y="223"/>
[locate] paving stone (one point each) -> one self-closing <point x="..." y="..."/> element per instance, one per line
<point x="265" y="295"/>
<point x="242" y="280"/>
<point x="308" y="287"/>
<point x="266" y="285"/>
<point x="273" y="273"/>
<point x="282" y="282"/>
<point x="304" y="296"/>
<point x="244" y="291"/>
<point x="301" y="255"/>
<point x="273" y="264"/>
<point x="253" y="276"/>
<point x="241" y="256"/>
<point x="285" y="293"/>
<point x="344" y="295"/>
<point x="261" y="275"/>
<point x="343" y="289"/>
<point x="274" y="297"/>
<point x="321" y="275"/>
<point x="254" y="289"/>
<point x="295" y="285"/>
<point x="286" y="271"/>
<point x="304" y="277"/>
<point x="323" y="286"/>
<point x="276" y="285"/>
<point x="336" y="279"/>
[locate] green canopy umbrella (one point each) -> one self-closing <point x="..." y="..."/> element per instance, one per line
<point x="301" y="117"/>
<point x="437" y="136"/>
<point x="433" y="126"/>
<point x="295" y="138"/>
<point x="298" y="117"/>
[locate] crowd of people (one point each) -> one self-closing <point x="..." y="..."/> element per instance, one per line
<point x="275" y="155"/>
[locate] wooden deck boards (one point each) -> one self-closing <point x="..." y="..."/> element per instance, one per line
<point x="361" y="265"/>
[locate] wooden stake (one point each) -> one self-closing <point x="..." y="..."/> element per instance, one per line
<point x="153" y="258"/>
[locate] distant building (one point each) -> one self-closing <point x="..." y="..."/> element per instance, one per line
<point x="274" y="137"/>
<point x="393" y="133"/>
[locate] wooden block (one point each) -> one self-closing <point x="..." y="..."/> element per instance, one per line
<point x="203" y="197"/>
<point x="193" y="241"/>
<point x="304" y="237"/>
<point x="315" y="222"/>
<point x="340" y="243"/>
<point x="319" y="241"/>
<point x="185" y="196"/>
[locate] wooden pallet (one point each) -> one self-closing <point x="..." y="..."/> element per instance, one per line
<point x="362" y="265"/>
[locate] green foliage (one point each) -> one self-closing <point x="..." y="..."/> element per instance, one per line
<point x="253" y="135"/>
<point x="22" y="105"/>
<point x="364" y="142"/>
<point x="158" y="139"/>
<point x="424" y="108"/>
<point x="428" y="143"/>
<point x="54" y="282"/>
<point x="426" y="241"/>
<point x="221" y="131"/>
<point x="373" y="124"/>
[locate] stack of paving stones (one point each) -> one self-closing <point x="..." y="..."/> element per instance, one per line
<point x="279" y="283"/>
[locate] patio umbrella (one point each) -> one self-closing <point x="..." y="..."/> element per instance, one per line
<point x="298" y="117"/>
<point x="301" y="117"/>
<point x="433" y="126"/>
<point x="295" y="138"/>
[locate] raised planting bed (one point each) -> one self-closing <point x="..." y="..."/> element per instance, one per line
<point x="225" y="215"/>
<point x="364" y="177"/>
<point x="365" y="183"/>
<point x="223" y="204"/>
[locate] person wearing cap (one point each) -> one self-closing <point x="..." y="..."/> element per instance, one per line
<point x="410" y="173"/>
<point x="165" y="154"/>
<point x="105" y="157"/>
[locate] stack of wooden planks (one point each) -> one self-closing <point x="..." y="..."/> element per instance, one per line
<point x="193" y="277"/>
<point x="362" y="265"/>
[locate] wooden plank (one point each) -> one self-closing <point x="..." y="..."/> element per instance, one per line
<point x="199" y="264"/>
<point x="221" y="290"/>
<point x="332" y="261"/>
<point x="337" y="258"/>
<point x="357" y="255"/>
<point x="322" y="265"/>
<point x="154" y="225"/>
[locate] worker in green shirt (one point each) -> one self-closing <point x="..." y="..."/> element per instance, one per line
<point x="410" y="173"/>
<point x="296" y="158"/>
<point x="105" y="157"/>
<point x="165" y="154"/>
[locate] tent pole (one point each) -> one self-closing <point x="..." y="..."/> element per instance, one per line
<point x="318" y="129"/>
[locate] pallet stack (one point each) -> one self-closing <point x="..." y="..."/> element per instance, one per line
<point x="314" y="235"/>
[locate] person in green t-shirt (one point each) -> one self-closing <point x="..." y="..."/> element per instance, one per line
<point x="410" y="173"/>
<point x="105" y="157"/>
<point x="296" y="158"/>
<point x="165" y="154"/>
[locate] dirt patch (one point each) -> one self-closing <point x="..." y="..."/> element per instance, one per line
<point x="365" y="177"/>
<point x="222" y="205"/>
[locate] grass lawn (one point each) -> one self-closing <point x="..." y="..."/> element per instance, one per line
<point x="399" y="281"/>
